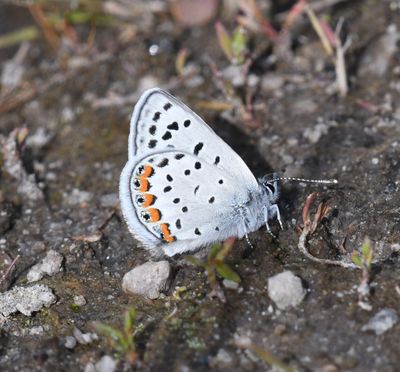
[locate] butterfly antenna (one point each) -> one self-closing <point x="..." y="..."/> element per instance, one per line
<point x="325" y="182"/>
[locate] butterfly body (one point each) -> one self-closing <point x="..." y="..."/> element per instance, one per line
<point x="183" y="187"/>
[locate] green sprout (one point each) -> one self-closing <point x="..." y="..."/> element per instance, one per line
<point x="122" y="341"/>
<point x="180" y="61"/>
<point x="363" y="260"/>
<point x="215" y="265"/>
<point x="234" y="46"/>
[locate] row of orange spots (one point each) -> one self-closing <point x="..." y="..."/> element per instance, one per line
<point x="154" y="215"/>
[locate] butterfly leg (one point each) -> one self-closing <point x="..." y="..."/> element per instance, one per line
<point x="267" y="211"/>
<point x="246" y="235"/>
<point x="275" y="208"/>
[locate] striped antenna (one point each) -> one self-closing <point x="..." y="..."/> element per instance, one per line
<point x="326" y="182"/>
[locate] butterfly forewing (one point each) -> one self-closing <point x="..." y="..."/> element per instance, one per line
<point x="160" y="122"/>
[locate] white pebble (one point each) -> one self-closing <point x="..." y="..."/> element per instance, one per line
<point x="382" y="321"/>
<point x="149" y="279"/>
<point x="286" y="289"/>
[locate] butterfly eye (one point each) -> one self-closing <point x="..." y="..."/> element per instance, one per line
<point x="270" y="188"/>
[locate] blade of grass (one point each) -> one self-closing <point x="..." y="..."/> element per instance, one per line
<point x="315" y="22"/>
<point x="18" y="36"/>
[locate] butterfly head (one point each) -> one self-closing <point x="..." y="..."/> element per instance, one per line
<point x="270" y="188"/>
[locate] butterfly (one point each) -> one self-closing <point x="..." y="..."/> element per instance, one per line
<point x="183" y="187"/>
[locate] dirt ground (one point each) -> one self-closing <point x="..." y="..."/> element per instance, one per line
<point x="65" y="106"/>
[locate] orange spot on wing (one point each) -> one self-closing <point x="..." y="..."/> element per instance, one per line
<point x="144" y="184"/>
<point x="155" y="214"/>
<point x="166" y="234"/>
<point x="148" y="200"/>
<point x="148" y="171"/>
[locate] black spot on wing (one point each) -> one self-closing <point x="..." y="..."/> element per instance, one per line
<point x="167" y="106"/>
<point x="167" y="189"/>
<point x="178" y="223"/>
<point x="217" y="228"/>
<point x="217" y="159"/>
<point x="169" y="178"/>
<point x="197" y="165"/>
<point x="197" y="148"/>
<point x="163" y="163"/>
<point x="196" y="189"/>
<point x="221" y="181"/>
<point x="152" y="144"/>
<point x="179" y="156"/>
<point x="176" y="200"/>
<point x="173" y="126"/>
<point x="186" y="123"/>
<point x="184" y="209"/>
<point x="211" y="200"/>
<point x="197" y="231"/>
<point x="156" y="116"/>
<point x="167" y="135"/>
<point x="187" y="172"/>
<point x="152" y="130"/>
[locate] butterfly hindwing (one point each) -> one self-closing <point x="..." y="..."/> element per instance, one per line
<point x="160" y="122"/>
<point x="179" y="202"/>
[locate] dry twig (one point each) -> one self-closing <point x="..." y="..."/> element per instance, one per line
<point x="310" y="226"/>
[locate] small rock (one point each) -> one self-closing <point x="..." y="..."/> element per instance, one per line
<point x="230" y="284"/>
<point x="84" y="338"/>
<point x="50" y="265"/>
<point x="222" y="360"/>
<point x="315" y="133"/>
<point x="79" y="300"/>
<point x="272" y="82"/>
<point x="235" y="74"/>
<point x="36" y="331"/>
<point x="26" y="299"/>
<point x="70" y="342"/>
<point x="90" y="368"/>
<point x="286" y="289"/>
<point x="39" y="139"/>
<point x="106" y="364"/>
<point x="149" y="279"/>
<point x="382" y="321"/>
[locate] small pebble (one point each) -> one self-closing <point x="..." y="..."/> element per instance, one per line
<point x="84" y="338"/>
<point x="106" y="364"/>
<point x="286" y="290"/>
<point x="79" y="300"/>
<point x="230" y="284"/>
<point x="26" y="300"/>
<point x="149" y="279"/>
<point x="381" y="321"/>
<point x="70" y="342"/>
<point x="50" y="265"/>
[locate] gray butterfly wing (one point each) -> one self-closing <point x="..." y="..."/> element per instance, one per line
<point x="160" y="122"/>
<point x="175" y="202"/>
